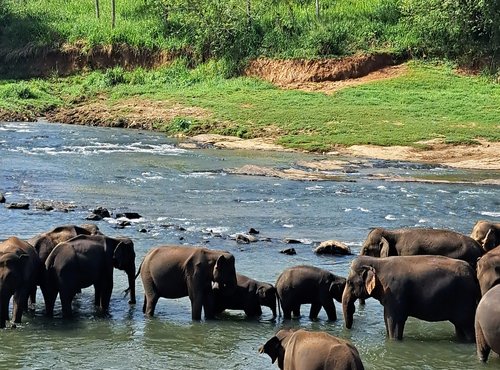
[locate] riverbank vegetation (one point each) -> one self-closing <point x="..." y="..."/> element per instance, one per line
<point x="428" y="101"/>
<point x="236" y="30"/>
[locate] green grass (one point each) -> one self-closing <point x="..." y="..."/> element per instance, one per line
<point x="429" y="101"/>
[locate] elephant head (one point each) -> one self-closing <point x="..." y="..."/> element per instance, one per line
<point x="488" y="270"/>
<point x="361" y="284"/>
<point x="377" y="244"/>
<point x="224" y="272"/>
<point x="275" y="347"/>
<point x="487" y="234"/>
<point x="12" y="267"/>
<point x="268" y="296"/>
<point x="336" y="288"/>
<point x="124" y="259"/>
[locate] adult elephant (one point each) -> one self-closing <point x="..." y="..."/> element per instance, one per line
<point x="430" y="288"/>
<point x="303" y="349"/>
<point x="488" y="324"/>
<point x="488" y="270"/>
<point x="248" y="296"/>
<point x="175" y="271"/>
<point x="382" y="242"/>
<point x="308" y="284"/>
<point x="83" y="261"/>
<point x="20" y="270"/>
<point x="487" y="234"/>
<point x="45" y="242"/>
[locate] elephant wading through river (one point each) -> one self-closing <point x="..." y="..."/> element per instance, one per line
<point x="421" y="241"/>
<point x="488" y="324"/>
<point x="306" y="350"/>
<point x="430" y="288"/>
<point x="488" y="270"/>
<point x="248" y="296"/>
<point x="20" y="270"/>
<point x="84" y="261"/>
<point x="178" y="271"/>
<point x="308" y="284"/>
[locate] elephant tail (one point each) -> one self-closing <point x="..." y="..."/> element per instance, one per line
<point x="127" y="291"/>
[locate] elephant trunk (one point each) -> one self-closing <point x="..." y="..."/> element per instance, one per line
<point x="348" y="307"/>
<point x="131" y="283"/>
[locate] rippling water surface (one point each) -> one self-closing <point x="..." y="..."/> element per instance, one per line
<point x="186" y="196"/>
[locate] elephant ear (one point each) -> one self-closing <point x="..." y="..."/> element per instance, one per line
<point x="271" y="348"/>
<point x="221" y="263"/>
<point x="489" y="240"/>
<point x="370" y="278"/>
<point x="384" y="247"/>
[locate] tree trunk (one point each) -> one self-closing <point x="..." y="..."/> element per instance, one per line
<point x="97" y="8"/>
<point x="113" y="13"/>
<point x="317" y="9"/>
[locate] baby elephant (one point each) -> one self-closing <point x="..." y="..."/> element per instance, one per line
<point x="248" y="296"/>
<point x="488" y="324"/>
<point x="303" y="349"/>
<point x="308" y="284"/>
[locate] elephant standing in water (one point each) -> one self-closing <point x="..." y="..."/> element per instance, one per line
<point x="20" y="270"/>
<point x="177" y="271"/>
<point x="430" y="288"/>
<point x="421" y="241"/>
<point x="488" y="270"/>
<point x="488" y="324"/>
<point x="308" y="284"/>
<point x="248" y="296"/>
<point x="306" y="350"/>
<point x="83" y="261"/>
<point x="44" y="243"/>
<point x="487" y="234"/>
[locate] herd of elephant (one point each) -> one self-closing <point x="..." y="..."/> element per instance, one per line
<point x="429" y="274"/>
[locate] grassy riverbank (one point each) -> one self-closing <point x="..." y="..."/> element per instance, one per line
<point x="426" y="102"/>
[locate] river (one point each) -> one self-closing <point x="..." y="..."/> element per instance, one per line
<point x="188" y="196"/>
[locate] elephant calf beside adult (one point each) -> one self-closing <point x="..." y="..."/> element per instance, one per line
<point x="20" y="270"/>
<point x="303" y="349"/>
<point x="430" y="288"/>
<point x="248" y="296"/>
<point x="308" y="284"/>
<point x="487" y="234"/>
<point x="382" y="242"/>
<point x="83" y="261"/>
<point x="175" y="271"/>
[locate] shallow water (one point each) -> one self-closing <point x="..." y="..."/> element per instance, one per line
<point x="187" y="196"/>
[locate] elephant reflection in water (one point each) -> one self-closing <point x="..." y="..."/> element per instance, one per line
<point x="83" y="261"/>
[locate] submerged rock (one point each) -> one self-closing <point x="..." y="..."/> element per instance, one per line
<point x="129" y="215"/>
<point x="289" y="251"/>
<point x="101" y="211"/>
<point x="17" y="206"/>
<point x="2" y="198"/>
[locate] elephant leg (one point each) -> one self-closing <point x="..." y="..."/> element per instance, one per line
<point x="209" y="306"/>
<point x="315" y="308"/>
<point x="296" y="310"/>
<point x="465" y="333"/>
<point x="483" y="349"/>
<point x="395" y="326"/>
<point x="150" y="301"/>
<point x="144" y="304"/>
<point x="17" y="308"/>
<point x="4" y="312"/>
<point x="32" y="299"/>
<point x="66" y="300"/>
<point x="196" y="306"/>
<point x="329" y="307"/>
<point x="287" y="312"/>
<point x="97" y="295"/>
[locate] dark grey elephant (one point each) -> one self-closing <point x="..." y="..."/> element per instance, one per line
<point x="20" y="270"/>
<point x="421" y="241"/>
<point x="488" y="270"/>
<point x="308" y="284"/>
<point x="488" y="324"/>
<point x="83" y="261"/>
<point x="487" y="234"/>
<point x="248" y="296"/>
<point x="430" y="288"/>
<point x="45" y="242"/>
<point x="175" y="271"/>
<point x="307" y="350"/>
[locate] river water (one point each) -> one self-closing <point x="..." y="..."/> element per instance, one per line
<point x="187" y="196"/>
